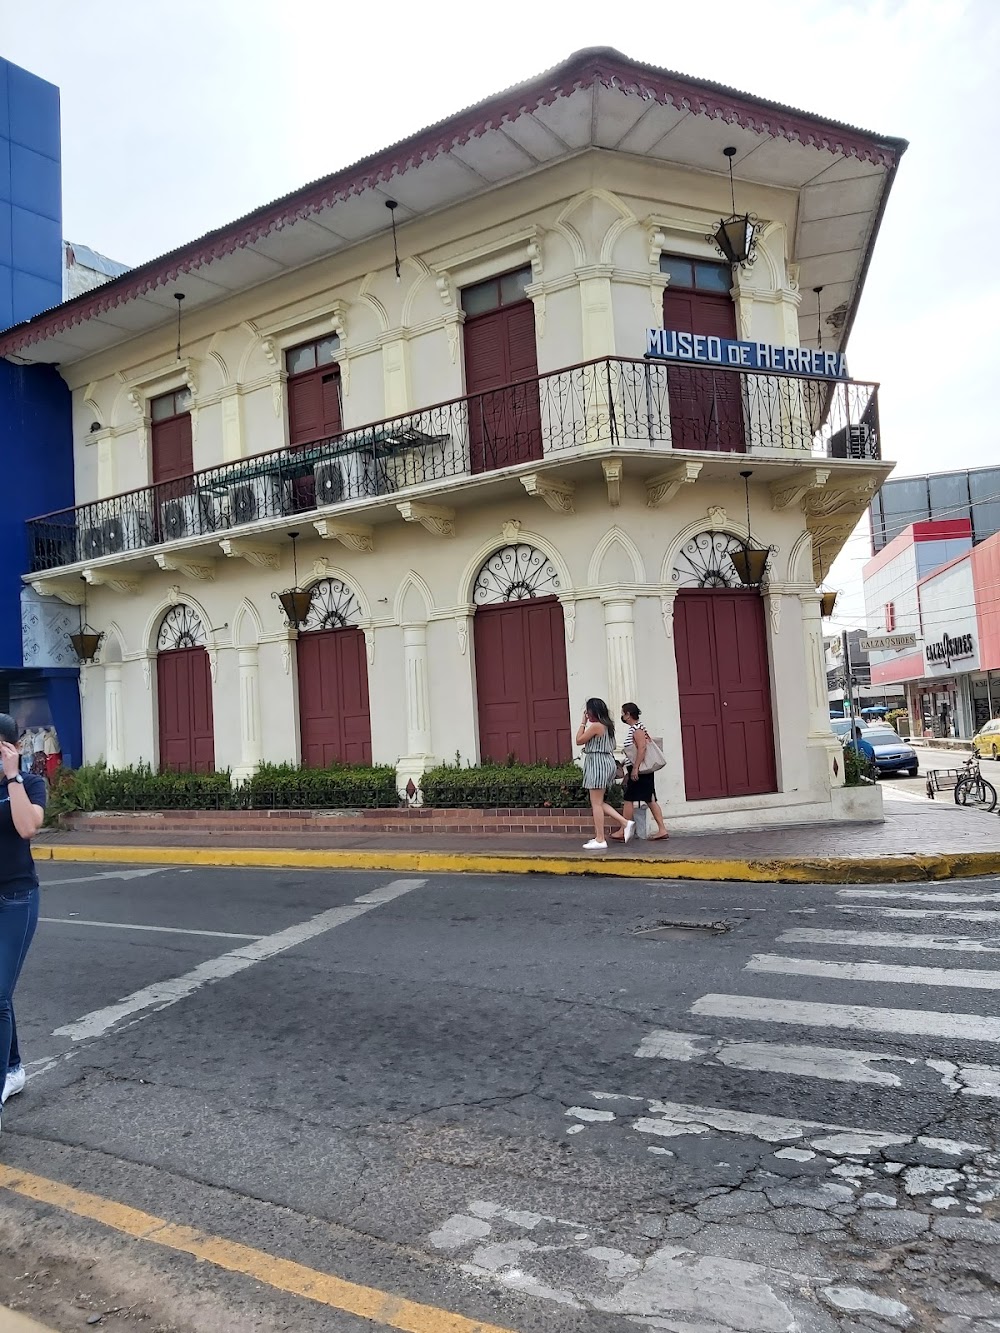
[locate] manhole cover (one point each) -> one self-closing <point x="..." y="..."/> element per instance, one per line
<point x="663" y="930"/>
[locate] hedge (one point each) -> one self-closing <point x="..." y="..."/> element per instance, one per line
<point x="348" y="787"/>
<point x="507" y="786"/>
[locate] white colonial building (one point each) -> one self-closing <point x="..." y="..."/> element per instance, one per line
<point x="431" y="367"/>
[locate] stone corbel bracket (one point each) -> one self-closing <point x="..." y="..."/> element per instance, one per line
<point x="355" y="536"/>
<point x="191" y="569"/>
<point x="661" y="489"/>
<point x="257" y="554"/>
<point x="439" y="521"/>
<point x="613" y="469"/>
<point x="792" y="491"/>
<point x="70" y="591"/>
<point x="558" y="495"/>
<point x="128" y="586"/>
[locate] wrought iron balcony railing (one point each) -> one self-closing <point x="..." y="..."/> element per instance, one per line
<point x="615" y="403"/>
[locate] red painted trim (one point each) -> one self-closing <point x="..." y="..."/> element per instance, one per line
<point x="889" y="553"/>
<point x="899" y="669"/>
<point x="595" y="67"/>
<point x="942" y="530"/>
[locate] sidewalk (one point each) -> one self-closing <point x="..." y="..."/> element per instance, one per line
<point x="919" y="840"/>
<point x="12" y="1322"/>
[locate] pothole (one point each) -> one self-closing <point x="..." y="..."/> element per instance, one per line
<point x="665" y="930"/>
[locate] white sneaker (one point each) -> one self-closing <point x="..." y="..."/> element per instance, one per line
<point x="14" y="1083"/>
<point x="594" y="846"/>
<point x="630" y="830"/>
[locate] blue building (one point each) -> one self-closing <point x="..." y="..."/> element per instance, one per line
<point x="38" y="672"/>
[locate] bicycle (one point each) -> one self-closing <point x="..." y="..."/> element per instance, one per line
<point x="972" y="789"/>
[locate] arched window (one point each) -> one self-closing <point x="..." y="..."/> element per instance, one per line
<point x="334" y="606"/>
<point x="181" y="627"/>
<point x="514" y="574"/>
<point x="703" y="562"/>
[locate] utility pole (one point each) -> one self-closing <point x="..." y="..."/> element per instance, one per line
<point x="848" y="681"/>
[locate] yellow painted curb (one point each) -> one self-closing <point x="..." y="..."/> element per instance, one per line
<point x="383" y="1308"/>
<point x="12" y="1322"/>
<point x="778" y="870"/>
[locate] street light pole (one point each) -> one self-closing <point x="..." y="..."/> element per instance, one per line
<point x="848" y="692"/>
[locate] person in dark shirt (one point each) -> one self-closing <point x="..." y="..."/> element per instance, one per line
<point x="862" y="746"/>
<point x="22" y="810"/>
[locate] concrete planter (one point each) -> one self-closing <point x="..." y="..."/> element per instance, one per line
<point x="860" y="805"/>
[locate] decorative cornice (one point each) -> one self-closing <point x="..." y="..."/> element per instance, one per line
<point x="439" y="521"/>
<point x="355" y="536"/>
<point x="613" y="469"/>
<point x="258" y="554"/>
<point x="558" y="495"/>
<point x="191" y="569"/>
<point x="70" y="591"/>
<point x="588" y="69"/>
<point x="661" y="489"/>
<point x="791" y="491"/>
<point x="128" y="586"/>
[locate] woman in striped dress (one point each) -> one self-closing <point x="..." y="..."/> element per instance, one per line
<point x="596" y="734"/>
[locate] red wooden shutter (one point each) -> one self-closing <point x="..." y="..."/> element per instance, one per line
<point x="184" y="698"/>
<point x="173" y="450"/>
<point x="706" y="405"/>
<point x="314" y="405"/>
<point x="521" y="683"/>
<point x="334" y="710"/>
<point x="504" y="421"/>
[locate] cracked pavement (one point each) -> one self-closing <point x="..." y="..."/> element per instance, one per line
<point x="493" y="1096"/>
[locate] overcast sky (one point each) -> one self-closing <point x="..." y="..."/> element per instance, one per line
<point x="180" y="116"/>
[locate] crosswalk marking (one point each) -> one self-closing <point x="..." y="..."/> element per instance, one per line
<point x="831" y="1063"/>
<point x="888" y="939"/>
<point x="967" y="978"/>
<point x="924" y="896"/>
<point x="861" y="1018"/>
<point x="920" y="913"/>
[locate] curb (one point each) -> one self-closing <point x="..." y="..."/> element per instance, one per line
<point x="778" y="870"/>
<point x="12" y="1322"/>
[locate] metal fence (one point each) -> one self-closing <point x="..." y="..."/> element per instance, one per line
<point x="612" y="402"/>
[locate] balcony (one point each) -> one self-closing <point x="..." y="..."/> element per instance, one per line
<point x="643" y="408"/>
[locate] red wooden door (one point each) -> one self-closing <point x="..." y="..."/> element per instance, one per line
<point x="184" y="699"/>
<point x="724" y="688"/>
<point x="505" y="424"/>
<point x="313" y="414"/>
<point x="706" y="404"/>
<point x="521" y="682"/>
<point x="173" y="451"/>
<point x="334" y="713"/>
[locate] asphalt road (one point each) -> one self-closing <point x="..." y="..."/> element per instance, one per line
<point x="496" y="1097"/>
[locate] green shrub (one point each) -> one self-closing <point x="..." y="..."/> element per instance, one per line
<point x="507" y="786"/>
<point x="859" y="771"/>
<point x="344" y="787"/>
<point x="72" y="790"/>
<point x="141" y="788"/>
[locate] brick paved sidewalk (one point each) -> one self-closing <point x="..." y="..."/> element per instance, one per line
<point x="911" y="827"/>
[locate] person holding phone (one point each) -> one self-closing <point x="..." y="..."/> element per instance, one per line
<point x="596" y="733"/>
<point x="22" y="810"/>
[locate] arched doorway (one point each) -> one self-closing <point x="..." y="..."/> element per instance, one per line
<point x="521" y="659"/>
<point x="184" y="694"/>
<point x="723" y="674"/>
<point x="334" y="713"/>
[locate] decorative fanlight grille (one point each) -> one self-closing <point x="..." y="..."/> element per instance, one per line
<point x="334" y="606"/>
<point x="514" y="574"/>
<point x="703" y="562"/>
<point x="181" y="627"/>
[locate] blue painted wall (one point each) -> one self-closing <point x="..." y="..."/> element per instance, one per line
<point x="30" y="195"/>
<point x="36" y="440"/>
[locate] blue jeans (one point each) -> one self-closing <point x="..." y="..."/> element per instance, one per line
<point x="18" y="919"/>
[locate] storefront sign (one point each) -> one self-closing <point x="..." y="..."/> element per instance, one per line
<point x="708" y="350"/>
<point x="947" y="649"/>
<point x="887" y="643"/>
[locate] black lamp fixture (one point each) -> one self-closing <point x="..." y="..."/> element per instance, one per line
<point x="750" y="562"/>
<point x="179" y="298"/>
<point x="827" y="602"/>
<point x="87" y="641"/>
<point x="736" y="235"/>
<point x="818" y="292"/>
<point x="392" y="205"/>
<point x="296" y="602"/>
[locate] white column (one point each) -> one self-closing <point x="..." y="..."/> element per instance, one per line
<point x="619" y="631"/>
<point x="418" y="699"/>
<point x="251" y="751"/>
<point x="818" y="695"/>
<point x="114" y="732"/>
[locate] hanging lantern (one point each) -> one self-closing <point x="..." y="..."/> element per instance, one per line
<point x="85" y="644"/>
<point x="296" y="602"/>
<point x="750" y="562"/>
<point x="736" y="236"/>
<point x="827" y="601"/>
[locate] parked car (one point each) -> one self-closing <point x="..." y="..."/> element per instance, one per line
<point x="986" y="741"/>
<point x="841" y="727"/>
<point x="892" y="755"/>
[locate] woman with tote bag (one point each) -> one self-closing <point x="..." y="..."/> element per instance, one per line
<point x="643" y="758"/>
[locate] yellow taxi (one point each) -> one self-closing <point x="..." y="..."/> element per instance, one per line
<point x="986" y="741"/>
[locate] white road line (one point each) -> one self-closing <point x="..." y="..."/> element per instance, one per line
<point x="967" y="978"/>
<point x="919" y="913"/>
<point x="161" y="994"/>
<point x="923" y="897"/>
<point x="831" y="1063"/>
<point x="888" y="939"/>
<point x="674" y="1119"/>
<point x="106" y="874"/>
<point x="824" y="1062"/>
<point x="165" y="930"/>
<point x="859" y="1017"/>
